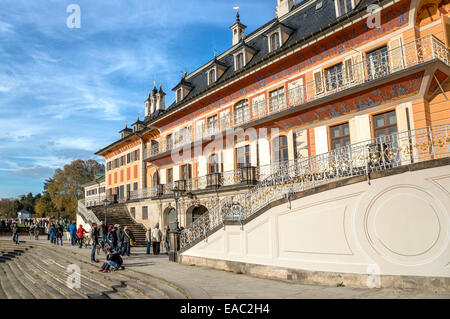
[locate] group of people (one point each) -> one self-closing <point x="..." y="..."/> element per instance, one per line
<point x="155" y="236"/>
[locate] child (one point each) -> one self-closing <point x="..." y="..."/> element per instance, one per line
<point x="113" y="261"/>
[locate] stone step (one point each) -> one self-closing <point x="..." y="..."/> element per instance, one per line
<point x="53" y="280"/>
<point x="109" y="288"/>
<point x="119" y="276"/>
<point x="41" y="281"/>
<point x="140" y="281"/>
<point x="24" y="281"/>
<point x="90" y="289"/>
<point x="7" y="285"/>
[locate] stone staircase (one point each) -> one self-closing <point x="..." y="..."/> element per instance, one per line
<point x="33" y="270"/>
<point x="118" y="214"/>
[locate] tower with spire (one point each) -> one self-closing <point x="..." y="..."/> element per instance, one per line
<point x="238" y="29"/>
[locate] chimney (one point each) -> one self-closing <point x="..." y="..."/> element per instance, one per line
<point x="238" y="30"/>
<point x="284" y="7"/>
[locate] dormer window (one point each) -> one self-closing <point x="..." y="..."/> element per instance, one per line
<point x="211" y="76"/>
<point x="344" y="6"/>
<point x="239" y="61"/>
<point x="179" y="94"/>
<point x="275" y="41"/>
<point x="277" y="36"/>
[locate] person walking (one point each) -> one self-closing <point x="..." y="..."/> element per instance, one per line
<point x="52" y="234"/>
<point x="94" y="237"/>
<point x="148" y="238"/>
<point x="102" y="232"/>
<point x="128" y="241"/>
<point x="73" y="233"/>
<point x="167" y="238"/>
<point x="59" y="234"/>
<point x="111" y="237"/>
<point x="80" y="234"/>
<point x="156" y="239"/>
<point x="120" y="238"/>
<point x="36" y="232"/>
<point x="15" y="233"/>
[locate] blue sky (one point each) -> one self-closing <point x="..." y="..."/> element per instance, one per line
<point x="65" y="93"/>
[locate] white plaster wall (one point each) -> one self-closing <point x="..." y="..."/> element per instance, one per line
<point x="398" y="225"/>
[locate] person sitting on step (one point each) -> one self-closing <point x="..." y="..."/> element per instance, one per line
<point x="113" y="261"/>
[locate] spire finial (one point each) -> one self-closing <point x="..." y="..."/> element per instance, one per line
<point x="185" y="72"/>
<point x="138" y="116"/>
<point x="126" y="124"/>
<point x="215" y="53"/>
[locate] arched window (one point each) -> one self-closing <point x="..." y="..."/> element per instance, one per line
<point x="239" y="61"/>
<point x="274" y="41"/>
<point x="280" y="149"/>
<point x="212" y="76"/>
<point x="155" y="179"/>
<point x="213" y="164"/>
<point x="241" y="112"/>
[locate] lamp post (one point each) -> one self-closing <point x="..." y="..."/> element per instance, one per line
<point x="178" y="191"/>
<point x="105" y="203"/>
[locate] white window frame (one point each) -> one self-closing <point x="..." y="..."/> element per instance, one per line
<point x="180" y="98"/>
<point x="215" y="75"/>
<point x="269" y="36"/>
<point x="244" y="59"/>
<point x="337" y="7"/>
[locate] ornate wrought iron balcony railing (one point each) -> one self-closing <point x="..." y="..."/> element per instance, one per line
<point x="417" y="52"/>
<point x="379" y="154"/>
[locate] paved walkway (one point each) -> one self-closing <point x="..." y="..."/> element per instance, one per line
<point x="200" y="282"/>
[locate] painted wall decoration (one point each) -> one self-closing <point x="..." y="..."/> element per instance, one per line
<point x="431" y="10"/>
<point x="393" y="18"/>
<point x="393" y="91"/>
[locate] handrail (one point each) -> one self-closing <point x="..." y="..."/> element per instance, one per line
<point x="413" y="53"/>
<point x="359" y="159"/>
<point x="87" y="214"/>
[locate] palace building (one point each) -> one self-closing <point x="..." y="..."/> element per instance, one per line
<point x="326" y="90"/>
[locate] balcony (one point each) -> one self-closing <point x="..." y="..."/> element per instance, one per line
<point x="377" y="67"/>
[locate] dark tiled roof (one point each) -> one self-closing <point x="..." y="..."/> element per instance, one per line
<point x="305" y="23"/>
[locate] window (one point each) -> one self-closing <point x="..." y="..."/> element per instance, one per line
<point x="340" y="136"/>
<point x="109" y="166"/>
<point x="144" y="213"/>
<point x="259" y="106"/>
<point x="136" y="155"/>
<point x="212" y="76"/>
<point x="186" y="172"/>
<point x="213" y="164"/>
<point x="280" y="149"/>
<point x="344" y="6"/>
<point x="133" y="212"/>
<point x="318" y="84"/>
<point x="377" y="63"/>
<point x="155" y="179"/>
<point x="121" y="161"/>
<point x="225" y="120"/>
<point x="179" y="94"/>
<point x="186" y="135"/>
<point x="135" y="186"/>
<point x="243" y="157"/>
<point x="276" y="99"/>
<point x="169" y="176"/>
<point x="274" y="41"/>
<point x="199" y="130"/>
<point x="385" y="124"/>
<point x="128" y="158"/>
<point x="128" y="190"/>
<point x="169" y="142"/>
<point x="239" y="61"/>
<point x="333" y="77"/>
<point x="241" y="112"/>
<point x="212" y="124"/>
